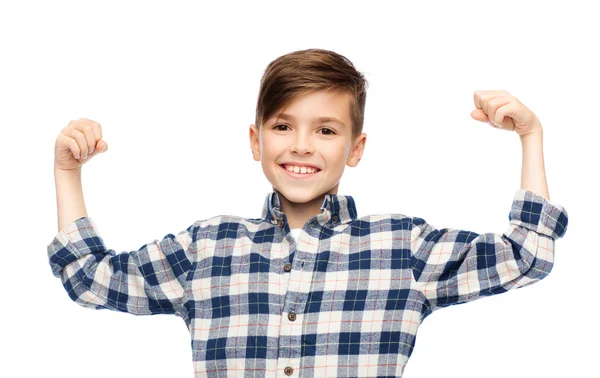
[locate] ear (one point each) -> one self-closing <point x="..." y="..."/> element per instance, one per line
<point x="254" y="142"/>
<point x="357" y="151"/>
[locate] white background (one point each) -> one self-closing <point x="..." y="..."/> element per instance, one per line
<point x="174" y="85"/>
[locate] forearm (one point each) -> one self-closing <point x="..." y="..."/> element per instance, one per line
<point x="69" y="197"/>
<point x="533" y="174"/>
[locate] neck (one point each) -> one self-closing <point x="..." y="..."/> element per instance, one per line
<point x="298" y="214"/>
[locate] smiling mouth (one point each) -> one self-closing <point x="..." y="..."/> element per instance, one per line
<point x="299" y="174"/>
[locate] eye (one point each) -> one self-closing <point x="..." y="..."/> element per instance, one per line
<point x="331" y="132"/>
<point x="276" y="127"/>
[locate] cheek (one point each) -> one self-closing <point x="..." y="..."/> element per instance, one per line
<point x="265" y="147"/>
<point x="337" y="155"/>
<point x="270" y="153"/>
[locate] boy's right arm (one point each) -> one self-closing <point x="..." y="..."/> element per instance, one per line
<point x="148" y="281"/>
<point x="69" y="197"/>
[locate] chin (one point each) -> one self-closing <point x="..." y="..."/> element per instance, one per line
<point x="298" y="195"/>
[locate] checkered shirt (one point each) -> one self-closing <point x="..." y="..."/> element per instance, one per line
<point x="344" y="300"/>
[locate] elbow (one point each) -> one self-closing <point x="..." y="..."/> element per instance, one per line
<point x="74" y="284"/>
<point x="537" y="253"/>
<point x="540" y="268"/>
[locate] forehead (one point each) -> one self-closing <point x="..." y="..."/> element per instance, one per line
<point x="319" y="104"/>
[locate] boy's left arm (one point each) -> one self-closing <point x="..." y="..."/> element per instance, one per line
<point x="455" y="266"/>
<point x="506" y="112"/>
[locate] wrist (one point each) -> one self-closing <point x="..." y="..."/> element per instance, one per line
<point x="536" y="134"/>
<point x="69" y="172"/>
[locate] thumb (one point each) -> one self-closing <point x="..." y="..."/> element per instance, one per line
<point x="479" y="115"/>
<point x="102" y="146"/>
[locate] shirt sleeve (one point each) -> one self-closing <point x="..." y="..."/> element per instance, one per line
<point x="455" y="266"/>
<point x="148" y="281"/>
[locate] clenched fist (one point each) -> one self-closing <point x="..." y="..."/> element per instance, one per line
<point x="76" y="144"/>
<point x="506" y="112"/>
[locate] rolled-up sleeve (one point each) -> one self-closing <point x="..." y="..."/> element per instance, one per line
<point x="148" y="281"/>
<point x="453" y="266"/>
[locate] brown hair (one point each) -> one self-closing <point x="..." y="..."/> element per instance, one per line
<point x="305" y="71"/>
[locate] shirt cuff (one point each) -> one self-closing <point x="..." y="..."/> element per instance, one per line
<point x="79" y="238"/>
<point x="538" y="214"/>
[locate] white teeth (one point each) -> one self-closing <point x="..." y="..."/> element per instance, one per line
<point x="300" y="169"/>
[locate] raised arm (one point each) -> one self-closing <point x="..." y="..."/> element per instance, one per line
<point x="453" y="266"/>
<point x="148" y="281"/>
<point x="504" y="111"/>
<point x="75" y="145"/>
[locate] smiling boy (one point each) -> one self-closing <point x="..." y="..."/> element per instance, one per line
<point x="309" y="289"/>
<point x="316" y="132"/>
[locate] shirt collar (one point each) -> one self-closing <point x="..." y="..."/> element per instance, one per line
<point x="336" y="209"/>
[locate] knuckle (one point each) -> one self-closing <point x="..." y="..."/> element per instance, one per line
<point x="79" y="135"/>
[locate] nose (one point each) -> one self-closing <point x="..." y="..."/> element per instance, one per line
<point x="301" y="144"/>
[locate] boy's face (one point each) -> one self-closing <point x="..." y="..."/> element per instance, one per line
<point x="298" y="136"/>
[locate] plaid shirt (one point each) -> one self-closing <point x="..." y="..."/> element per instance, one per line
<point x="344" y="300"/>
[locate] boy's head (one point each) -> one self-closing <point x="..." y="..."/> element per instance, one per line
<point x="296" y="90"/>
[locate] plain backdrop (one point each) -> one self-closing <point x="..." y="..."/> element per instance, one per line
<point x="174" y="86"/>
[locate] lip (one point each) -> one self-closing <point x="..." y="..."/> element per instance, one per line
<point x="298" y="175"/>
<point x="299" y="164"/>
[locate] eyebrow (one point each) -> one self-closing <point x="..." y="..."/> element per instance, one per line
<point x="290" y="117"/>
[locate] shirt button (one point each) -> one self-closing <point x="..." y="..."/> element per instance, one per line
<point x="292" y="316"/>
<point x="335" y="218"/>
<point x="287" y="267"/>
<point x="280" y="223"/>
<point x="288" y="370"/>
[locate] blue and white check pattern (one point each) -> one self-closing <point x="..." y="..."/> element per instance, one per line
<point x="345" y="300"/>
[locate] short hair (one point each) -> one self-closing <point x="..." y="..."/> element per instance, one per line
<point x="307" y="71"/>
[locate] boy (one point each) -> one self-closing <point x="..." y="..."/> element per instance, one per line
<point x="308" y="289"/>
